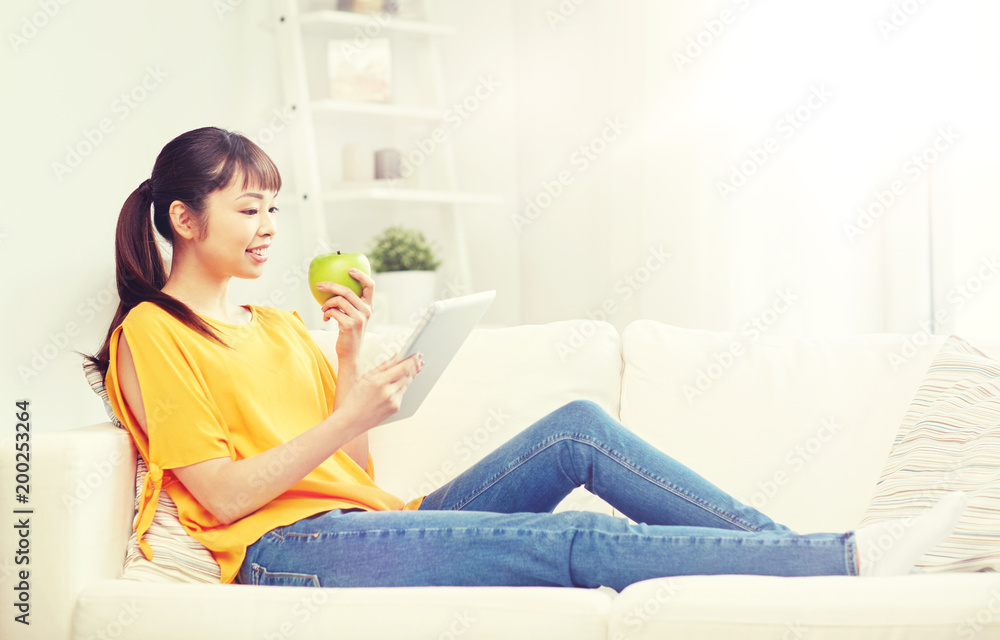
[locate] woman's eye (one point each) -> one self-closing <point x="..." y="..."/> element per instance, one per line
<point x="250" y="212"/>
<point x="275" y="209"/>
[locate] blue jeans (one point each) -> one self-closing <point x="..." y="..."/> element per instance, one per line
<point x="493" y="524"/>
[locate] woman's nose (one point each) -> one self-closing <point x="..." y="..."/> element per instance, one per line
<point x="268" y="225"/>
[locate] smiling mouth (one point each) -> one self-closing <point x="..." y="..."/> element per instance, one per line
<point x="262" y="252"/>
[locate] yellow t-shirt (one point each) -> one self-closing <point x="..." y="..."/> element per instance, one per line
<point x="204" y="401"/>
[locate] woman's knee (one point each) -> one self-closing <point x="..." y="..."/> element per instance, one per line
<point x="585" y="408"/>
<point x="579" y="417"/>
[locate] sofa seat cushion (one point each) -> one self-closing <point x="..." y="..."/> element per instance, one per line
<point x="127" y="610"/>
<point x="798" y="428"/>
<point x="915" y="607"/>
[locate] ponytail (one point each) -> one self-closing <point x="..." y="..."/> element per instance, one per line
<point x="189" y="168"/>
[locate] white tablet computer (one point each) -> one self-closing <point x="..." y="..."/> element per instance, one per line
<point x="441" y="332"/>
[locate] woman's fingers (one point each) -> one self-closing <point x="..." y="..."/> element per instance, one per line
<point x="340" y="308"/>
<point x="367" y="284"/>
<point x="408" y="367"/>
<point x="365" y="305"/>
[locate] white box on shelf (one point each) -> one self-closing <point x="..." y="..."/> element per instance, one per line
<point x="360" y="73"/>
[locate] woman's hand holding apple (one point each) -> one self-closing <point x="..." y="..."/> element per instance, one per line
<point x="351" y="313"/>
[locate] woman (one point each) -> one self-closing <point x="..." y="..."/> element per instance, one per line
<point x="264" y="449"/>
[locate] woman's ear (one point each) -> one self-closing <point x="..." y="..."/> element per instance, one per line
<point x="182" y="220"/>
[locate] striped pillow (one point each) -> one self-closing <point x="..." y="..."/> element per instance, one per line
<point x="177" y="557"/>
<point x="949" y="440"/>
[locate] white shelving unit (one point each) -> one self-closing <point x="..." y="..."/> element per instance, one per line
<point x="319" y="193"/>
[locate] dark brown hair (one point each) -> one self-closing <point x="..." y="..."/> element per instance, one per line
<point x="189" y="168"/>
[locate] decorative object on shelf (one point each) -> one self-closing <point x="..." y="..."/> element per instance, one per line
<point x="366" y="6"/>
<point x="388" y="164"/>
<point x="405" y="266"/>
<point x="359" y="162"/>
<point x="360" y="74"/>
<point x="302" y="25"/>
<point x="358" y="6"/>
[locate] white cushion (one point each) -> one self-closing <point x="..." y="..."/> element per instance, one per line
<point x="798" y="428"/>
<point x="915" y="607"/>
<point x="501" y="381"/>
<point x="81" y="490"/>
<point x="140" y="611"/>
<point x="949" y="440"/>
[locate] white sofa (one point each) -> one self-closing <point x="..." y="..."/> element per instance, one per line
<point x="799" y="428"/>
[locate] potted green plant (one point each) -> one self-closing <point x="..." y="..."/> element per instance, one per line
<point x="405" y="265"/>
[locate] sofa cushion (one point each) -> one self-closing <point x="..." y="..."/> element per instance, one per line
<point x="914" y="607"/>
<point x="949" y="440"/>
<point x="131" y="611"/>
<point x="799" y="428"/>
<point x="501" y="381"/>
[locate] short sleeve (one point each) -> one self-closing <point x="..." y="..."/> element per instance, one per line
<point x="184" y="424"/>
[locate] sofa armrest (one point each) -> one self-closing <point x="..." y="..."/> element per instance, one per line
<point x="82" y="487"/>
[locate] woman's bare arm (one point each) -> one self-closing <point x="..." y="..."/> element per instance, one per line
<point x="357" y="448"/>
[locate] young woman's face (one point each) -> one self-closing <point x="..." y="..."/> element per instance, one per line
<point x="239" y="222"/>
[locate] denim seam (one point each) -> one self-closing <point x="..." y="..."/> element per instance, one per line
<point x="551" y="440"/>
<point x="517" y="462"/>
<point x="850" y="555"/>
<point x="661" y="482"/>
<point x="258" y="572"/>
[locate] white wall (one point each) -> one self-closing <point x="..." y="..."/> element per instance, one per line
<point x="590" y="251"/>
<point x="874" y="82"/>
<point x="201" y="66"/>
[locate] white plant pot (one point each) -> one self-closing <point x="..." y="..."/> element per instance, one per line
<point x="401" y="297"/>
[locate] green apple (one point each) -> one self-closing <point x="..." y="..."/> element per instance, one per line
<point x="333" y="267"/>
